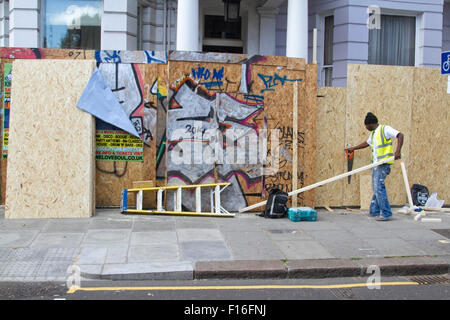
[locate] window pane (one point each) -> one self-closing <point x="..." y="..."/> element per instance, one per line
<point x="328" y="41"/>
<point x="216" y="27"/>
<point x="72" y="24"/>
<point x="329" y="77"/>
<point x="394" y="42"/>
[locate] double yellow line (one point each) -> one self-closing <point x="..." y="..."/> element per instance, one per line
<point x="249" y="287"/>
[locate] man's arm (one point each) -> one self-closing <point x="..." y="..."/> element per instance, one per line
<point x="398" y="152"/>
<point x="359" y="146"/>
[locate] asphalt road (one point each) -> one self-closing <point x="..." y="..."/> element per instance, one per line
<point x="392" y="288"/>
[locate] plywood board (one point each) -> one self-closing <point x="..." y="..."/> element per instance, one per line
<point x="365" y="187"/>
<point x="330" y="135"/>
<point x="386" y="91"/>
<point x="113" y="177"/>
<point x="276" y="85"/>
<point x="51" y="150"/>
<point x="310" y="131"/>
<point x="428" y="163"/>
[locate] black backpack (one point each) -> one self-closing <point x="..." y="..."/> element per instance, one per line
<point x="419" y="194"/>
<point x="276" y="204"/>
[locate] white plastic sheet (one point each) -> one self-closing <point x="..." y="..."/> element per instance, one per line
<point x="98" y="100"/>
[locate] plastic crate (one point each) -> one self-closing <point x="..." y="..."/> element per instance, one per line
<point x="302" y="214"/>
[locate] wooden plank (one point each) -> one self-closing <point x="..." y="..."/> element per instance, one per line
<point x="365" y="190"/>
<point x="408" y="190"/>
<point x="321" y="183"/>
<point x="295" y="145"/>
<point x="51" y="168"/>
<point x="428" y="160"/>
<point x="330" y="155"/>
<point x="386" y="91"/>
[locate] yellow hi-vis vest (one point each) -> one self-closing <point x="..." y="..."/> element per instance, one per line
<point x="382" y="146"/>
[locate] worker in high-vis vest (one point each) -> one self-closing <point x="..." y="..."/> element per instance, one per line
<point x="380" y="139"/>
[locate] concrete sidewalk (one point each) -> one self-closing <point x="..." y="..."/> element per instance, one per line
<point x="134" y="247"/>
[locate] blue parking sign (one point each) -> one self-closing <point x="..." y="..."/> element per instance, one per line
<point x="445" y="62"/>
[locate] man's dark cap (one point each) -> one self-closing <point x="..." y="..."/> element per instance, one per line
<point x="370" y="119"/>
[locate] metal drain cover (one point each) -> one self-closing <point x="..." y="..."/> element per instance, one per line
<point x="438" y="279"/>
<point x="343" y="293"/>
<point x="443" y="232"/>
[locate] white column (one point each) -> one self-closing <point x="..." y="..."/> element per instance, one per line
<point x="24" y="23"/>
<point x="188" y="25"/>
<point x="297" y="29"/>
<point x="119" y="25"/>
<point x="252" y="29"/>
<point x="267" y="30"/>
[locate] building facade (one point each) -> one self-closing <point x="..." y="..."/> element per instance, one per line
<point x="393" y="32"/>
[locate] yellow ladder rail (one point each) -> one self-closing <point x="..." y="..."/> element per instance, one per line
<point x="215" y="189"/>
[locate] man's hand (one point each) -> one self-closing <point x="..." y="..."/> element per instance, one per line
<point x="397" y="155"/>
<point x="350" y="150"/>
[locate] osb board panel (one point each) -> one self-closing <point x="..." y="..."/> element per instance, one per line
<point x="365" y="191"/>
<point x="330" y="136"/>
<point x="114" y="176"/>
<point x="207" y="94"/>
<point x="161" y="146"/>
<point x="278" y="103"/>
<point x="428" y="162"/>
<point x="51" y="150"/>
<point x="215" y="77"/>
<point x="46" y="53"/>
<point x="310" y="132"/>
<point x="3" y="162"/>
<point x="386" y="91"/>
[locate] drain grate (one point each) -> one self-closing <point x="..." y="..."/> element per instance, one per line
<point x="343" y="293"/>
<point x="423" y="280"/>
<point x="443" y="232"/>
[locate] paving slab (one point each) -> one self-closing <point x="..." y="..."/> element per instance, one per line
<point x="58" y="240"/>
<point x="61" y="254"/>
<point x="53" y="269"/>
<point x="20" y="269"/>
<point x="252" y="249"/>
<point x="303" y="249"/>
<point x="372" y="233"/>
<point x="66" y="225"/>
<point x="395" y="247"/>
<point x="243" y="236"/>
<point x="204" y="251"/>
<point x="111" y="223"/>
<point x="17" y="238"/>
<point x="146" y="225"/>
<point x="22" y="224"/>
<point x="148" y="271"/>
<point x="194" y="234"/>
<point x="154" y="237"/>
<point x="106" y="237"/>
<point x="92" y="255"/>
<point x="247" y="269"/>
<point x="26" y="254"/>
<point x="332" y="235"/>
<point x="117" y="254"/>
<point x="278" y="234"/>
<point x="153" y="253"/>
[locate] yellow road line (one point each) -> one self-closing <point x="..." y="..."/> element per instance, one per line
<point x="250" y="287"/>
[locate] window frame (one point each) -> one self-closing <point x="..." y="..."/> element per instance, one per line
<point x="42" y="6"/>
<point x="418" y="55"/>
